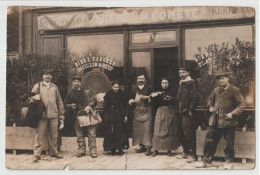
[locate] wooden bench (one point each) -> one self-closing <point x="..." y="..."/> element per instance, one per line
<point x="22" y="138"/>
<point x="244" y="145"/>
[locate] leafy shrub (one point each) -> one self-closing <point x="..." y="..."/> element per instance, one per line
<point x="23" y="73"/>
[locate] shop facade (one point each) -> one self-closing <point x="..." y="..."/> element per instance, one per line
<point x="108" y="44"/>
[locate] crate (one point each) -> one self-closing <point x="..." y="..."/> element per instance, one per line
<point x="244" y="145"/>
<point x="22" y="138"/>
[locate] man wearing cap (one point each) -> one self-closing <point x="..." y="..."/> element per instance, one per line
<point x="226" y="103"/>
<point x="50" y="96"/>
<point x="76" y="101"/>
<point x="188" y="99"/>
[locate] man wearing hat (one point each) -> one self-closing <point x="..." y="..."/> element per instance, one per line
<point x="226" y="103"/>
<point x="50" y="96"/>
<point x="76" y="101"/>
<point x="188" y="99"/>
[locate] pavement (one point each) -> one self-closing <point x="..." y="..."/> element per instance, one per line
<point x="130" y="160"/>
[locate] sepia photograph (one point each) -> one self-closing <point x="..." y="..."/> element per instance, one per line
<point x="130" y="88"/>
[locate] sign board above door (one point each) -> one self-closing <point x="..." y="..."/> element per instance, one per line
<point x="137" y="16"/>
<point x="153" y="37"/>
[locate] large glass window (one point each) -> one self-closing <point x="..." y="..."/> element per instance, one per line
<point x="202" y="37"/>
<point x="102" y="52"/>
<point x="98" y="59"/>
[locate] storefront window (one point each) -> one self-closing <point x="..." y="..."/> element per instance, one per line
<point x="202" y="37"/>
<point x="98" y="59"/>
<point x="217" y="57"/>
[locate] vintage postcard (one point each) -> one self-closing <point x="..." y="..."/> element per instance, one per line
<point x="131" y="88"/>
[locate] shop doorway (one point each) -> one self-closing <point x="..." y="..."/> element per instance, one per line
<point x="155" y="63"/>
<point x="165" y="64"/>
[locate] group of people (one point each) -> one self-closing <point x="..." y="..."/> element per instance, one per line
<point x="174" y="122"/>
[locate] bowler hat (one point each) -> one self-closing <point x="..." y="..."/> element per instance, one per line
<point x="221" y="74"/>
<point x="76" y="78"/>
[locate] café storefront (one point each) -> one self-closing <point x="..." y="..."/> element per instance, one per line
<point x="108" y="44"/>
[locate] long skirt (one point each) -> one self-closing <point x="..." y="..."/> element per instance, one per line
<point x="165" y="129"/>
<point x="115" y="136"/>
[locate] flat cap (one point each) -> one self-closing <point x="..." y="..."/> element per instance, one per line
<point x="76" y="78"/>
<point x="184" y="68"/>
<point x="221" y="74"/>
<point x="47" y="71"/>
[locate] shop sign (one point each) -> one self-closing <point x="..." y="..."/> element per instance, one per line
<point x="95" y="62"/>
<point x="136" y="16"/>
<point x="153" y="37"/>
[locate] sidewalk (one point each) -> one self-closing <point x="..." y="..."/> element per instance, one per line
<point x="130" y="160"/>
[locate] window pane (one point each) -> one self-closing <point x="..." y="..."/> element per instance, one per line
<point x="203" y="37"/>
<point x="99" y="60"/>
<point x="141" y="62"/>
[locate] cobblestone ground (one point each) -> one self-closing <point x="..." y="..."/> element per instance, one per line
<point x="130" y="160"/>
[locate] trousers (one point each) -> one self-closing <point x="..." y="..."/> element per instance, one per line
<point x="212" y="139"/>
<point x="52" y="125"/>
<point x="91" y="134"/>
<point x="187" y="133"/>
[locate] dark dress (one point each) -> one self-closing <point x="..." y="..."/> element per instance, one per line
<point x="165" y="124"/>
<point x="114" y="109"/>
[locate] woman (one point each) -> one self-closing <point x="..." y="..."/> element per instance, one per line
<point x="165" y="126"/>
<point x="115" y="104"/>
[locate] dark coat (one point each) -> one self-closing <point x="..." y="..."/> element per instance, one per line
<point x="188" y="96"/>
<point x="226" y="101"/>
<point x="115" y="105"/>
<point x="114" y="109"/>
<point x="81" y="99"/>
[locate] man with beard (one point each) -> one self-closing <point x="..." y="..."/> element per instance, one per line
<point x="188" y="100"/>
<point x="140" y="103"/>
<point x="226" y="103"/>
<point x="50" y="96"/>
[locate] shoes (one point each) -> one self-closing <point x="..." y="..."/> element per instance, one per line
<point x="182" y="156"/>
<point x="58" y="156"/>
<point x="192" y="159"/>
<point x="93" y="155"/>
<point x="148" y="152"/>
<point x="169" y="153"/>
<point x="154" y="153"/>
<point x="121" y="152"/>
<point x="141" y="150"/>
<point x="113" y="152"/>
<point x="36" y="158"/>
<point x="81" y="154"/>
<point x="228" y="160"/>
<point x="203" y="164"/>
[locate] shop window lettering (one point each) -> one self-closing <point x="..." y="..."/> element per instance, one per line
<point x="95" y="62"/>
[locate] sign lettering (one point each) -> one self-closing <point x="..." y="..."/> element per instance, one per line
<point x="95" y="62"/>
<point x="135" y="16"/>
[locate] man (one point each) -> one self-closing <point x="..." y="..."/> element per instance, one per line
<point x="142" y="115"/>
<point x="226" y="103"/>
<point x="50" y="96"/>
<point x="188" y="99"/>
<point x="76" y="101"/>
